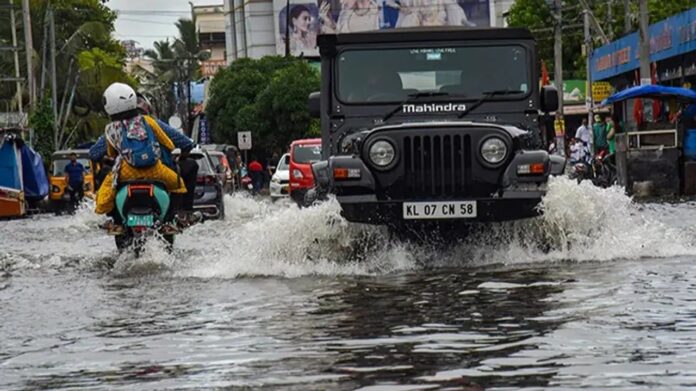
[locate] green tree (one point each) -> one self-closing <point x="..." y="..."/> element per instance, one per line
<point x="236" y="87"/>
<point x="284" y="103"/>
<point x="267" y="97"/>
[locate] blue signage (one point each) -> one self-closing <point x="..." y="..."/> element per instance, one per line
<point x="204" y="131"/>
<point x="668" y="38"/>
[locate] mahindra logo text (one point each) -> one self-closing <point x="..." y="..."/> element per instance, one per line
<point x="433" y="108"/>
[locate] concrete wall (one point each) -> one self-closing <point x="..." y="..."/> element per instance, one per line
<point x="259" y="28"/>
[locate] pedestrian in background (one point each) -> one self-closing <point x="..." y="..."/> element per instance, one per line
<point x="256" y="173"/>
<point x="600" y="135"/>
<point x="584" y="135"/>
<point x="611" y="132"/>
<point x="75" y="175"/>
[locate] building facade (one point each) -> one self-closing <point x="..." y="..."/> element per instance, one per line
<point x="210" y="27"/>
<point x="672" y="54"/>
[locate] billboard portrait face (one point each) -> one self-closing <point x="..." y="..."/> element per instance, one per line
<point x="303" y="28"/>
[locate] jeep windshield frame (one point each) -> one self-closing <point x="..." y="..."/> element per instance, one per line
<point x="384" y="75"/>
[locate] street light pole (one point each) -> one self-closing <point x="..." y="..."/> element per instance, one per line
<point x="589" y="98"/>
<point x="29" y="49"/>
<point x="558" y="76"/>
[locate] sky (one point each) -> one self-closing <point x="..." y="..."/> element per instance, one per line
<point x="147" y="21"/>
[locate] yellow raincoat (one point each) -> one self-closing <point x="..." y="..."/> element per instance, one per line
<point x="159" y="172"/>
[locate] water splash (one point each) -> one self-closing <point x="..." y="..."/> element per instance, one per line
<point x="264" y="238"/>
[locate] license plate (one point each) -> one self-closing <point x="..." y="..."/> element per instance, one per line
<point x="140" y="221"/>
<point x="286" y="189"/>
<point x="439" y="210"/>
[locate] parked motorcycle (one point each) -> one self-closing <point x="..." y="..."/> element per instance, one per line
<point x="601" y="170"/>
<point x="144" y="210"/>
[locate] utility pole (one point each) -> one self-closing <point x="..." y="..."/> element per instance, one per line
<point x="644" y="43"/>
<point x="558" y="75"/>
<point x="627" y="16"/>
<point x="610" y="18"/>
<point x="54" y="81"/>
<point x="589" y="99"/>
<point x="287" y="28"/>
<point x="29" y="49"/>
<point x="13" y="21"/>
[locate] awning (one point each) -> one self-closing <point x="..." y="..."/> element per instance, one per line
<point x="652" y="91"/>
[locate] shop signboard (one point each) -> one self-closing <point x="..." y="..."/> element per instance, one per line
<point x="601" y="90"/>
<point x="670" y="37"/>
<point x="309" y="18"/>
<point x="211" y="67"/>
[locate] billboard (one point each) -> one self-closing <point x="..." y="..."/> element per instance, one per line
<point x="309" y="18"/>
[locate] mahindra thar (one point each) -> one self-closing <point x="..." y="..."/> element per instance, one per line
<point x="436" y="124"/>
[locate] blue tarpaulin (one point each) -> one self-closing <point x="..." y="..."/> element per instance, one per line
<point x="9" y="166"/>
<point x="33" y="175"/>
<point x="652" y="91"/>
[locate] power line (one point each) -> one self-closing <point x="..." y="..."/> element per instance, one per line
<point x="145" y="21"/>
<point x="151" y="12"/>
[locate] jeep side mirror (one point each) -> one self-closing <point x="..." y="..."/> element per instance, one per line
<point x="314" y="104"/>
<point x="287" y="160"/>
<point x="549" y="99"/>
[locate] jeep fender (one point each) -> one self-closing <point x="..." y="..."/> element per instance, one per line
<point x="323" y="173"/>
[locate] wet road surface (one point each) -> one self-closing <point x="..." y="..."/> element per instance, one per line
<point x="599" y="293"/>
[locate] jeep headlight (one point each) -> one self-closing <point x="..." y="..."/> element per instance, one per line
<point x="382" y="153"/>
<point x="493" y="150"/>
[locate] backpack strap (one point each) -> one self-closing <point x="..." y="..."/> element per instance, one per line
<point x="160" y="135"/>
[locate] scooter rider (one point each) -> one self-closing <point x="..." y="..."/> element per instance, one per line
<point x="136" y="142"/>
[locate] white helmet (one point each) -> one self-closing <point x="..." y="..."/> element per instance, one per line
<point x="119" y="98"/>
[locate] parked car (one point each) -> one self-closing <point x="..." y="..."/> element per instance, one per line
<point x="280" y="181"/>
<point x="209" y="189"/>
<point x="222" y="167"/>
<point x="302" y="154"/>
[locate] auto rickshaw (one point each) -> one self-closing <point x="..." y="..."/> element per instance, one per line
<point x="58" y="195"/>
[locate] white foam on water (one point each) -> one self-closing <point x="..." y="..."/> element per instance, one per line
<point x="263" y="238"/>
<point x="279" y="239"/>
<point x="582" y="222"/>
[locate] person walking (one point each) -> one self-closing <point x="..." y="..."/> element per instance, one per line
<point x="75" y="175"/>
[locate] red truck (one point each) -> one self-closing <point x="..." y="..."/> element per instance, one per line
<point x="302" y="154"/>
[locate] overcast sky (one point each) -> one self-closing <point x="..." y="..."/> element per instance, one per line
<point x="147" y="21"/>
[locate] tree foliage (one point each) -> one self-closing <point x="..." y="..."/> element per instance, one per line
<point x="538" y="16"/>
<point x="84" y="45"/>
<point x="267" y="97"/>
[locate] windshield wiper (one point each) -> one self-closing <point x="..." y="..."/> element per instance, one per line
<point x="412" y="97"/>
<point x="486" y="95"/>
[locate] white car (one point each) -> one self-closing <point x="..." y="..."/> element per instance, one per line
<point x="280" y="181"/>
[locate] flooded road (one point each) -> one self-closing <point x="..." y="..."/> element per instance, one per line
<point x="599" y="292"/>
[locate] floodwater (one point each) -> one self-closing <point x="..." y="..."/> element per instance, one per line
<point x="598" y="293"/>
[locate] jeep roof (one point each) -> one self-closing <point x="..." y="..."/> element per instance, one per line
<point x="445" y="33"/>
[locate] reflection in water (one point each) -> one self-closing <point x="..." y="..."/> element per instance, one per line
<point x="406" y="328"/>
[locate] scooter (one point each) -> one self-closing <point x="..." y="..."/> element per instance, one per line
<point x="601" y="170"/>
<point x="144" y="209"/>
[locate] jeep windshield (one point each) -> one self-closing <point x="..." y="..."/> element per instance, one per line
<point x="465" y="72"/>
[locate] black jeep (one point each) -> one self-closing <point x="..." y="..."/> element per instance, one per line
<point x="433" y="124"/>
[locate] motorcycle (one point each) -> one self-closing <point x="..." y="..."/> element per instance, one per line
<point x="600" y="170"/>
<point x="144" y="209"/>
